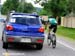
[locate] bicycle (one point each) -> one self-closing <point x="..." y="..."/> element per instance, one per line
<point x="51" y="39"/>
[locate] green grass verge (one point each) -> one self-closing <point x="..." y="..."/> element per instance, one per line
<point x="67" y="32"/>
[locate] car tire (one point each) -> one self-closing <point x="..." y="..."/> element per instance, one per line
<point x="39" y="46"/>
<point x="5" y="45"/>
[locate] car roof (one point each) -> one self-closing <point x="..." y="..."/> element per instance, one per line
<point x="29" y="14"/>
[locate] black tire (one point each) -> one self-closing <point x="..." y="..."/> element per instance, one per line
<point x="54" y="44"/>
<point x="39" y="46"/>
<point x="5" y="45"/>
<point x="49" y="40"/>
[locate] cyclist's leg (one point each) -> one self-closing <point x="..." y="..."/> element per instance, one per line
<point x="45" y="24"/>
<point x="55" y="28"/>
<point x="49" y="31"/>
<point x="50" y="28"/>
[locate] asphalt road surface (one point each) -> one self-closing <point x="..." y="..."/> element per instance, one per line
<point x="60" y="50"/>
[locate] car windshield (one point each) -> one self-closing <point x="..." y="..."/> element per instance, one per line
<point x="25" y="21"/>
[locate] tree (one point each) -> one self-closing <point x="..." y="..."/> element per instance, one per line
<point x="18" y="6"/>
<point x="55" y="7"/>
<point x="71" y="6"/>
<point x="43" y="12"/>
<point x="25" y="7"/>
<point x="9" y="5"/>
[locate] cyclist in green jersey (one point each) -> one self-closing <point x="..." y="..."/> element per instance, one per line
<point x="53" y="24"/>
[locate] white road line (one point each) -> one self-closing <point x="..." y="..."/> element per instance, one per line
<point x="66" y="45"/>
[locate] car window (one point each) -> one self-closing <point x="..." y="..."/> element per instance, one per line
<point x="26" y="21"/>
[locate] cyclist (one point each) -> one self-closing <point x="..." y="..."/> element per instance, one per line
<point x="52" y="24"/>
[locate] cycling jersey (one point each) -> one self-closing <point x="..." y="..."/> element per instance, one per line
<point x="52" y="21"/>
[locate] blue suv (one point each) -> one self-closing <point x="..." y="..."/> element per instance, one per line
<point x="23" y="28"/>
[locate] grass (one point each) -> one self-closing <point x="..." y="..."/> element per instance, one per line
<point x="67" y="32"/>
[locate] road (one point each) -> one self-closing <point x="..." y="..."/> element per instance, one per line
<point x="60" y="50"/>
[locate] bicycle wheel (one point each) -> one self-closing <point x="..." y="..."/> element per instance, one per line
<point x="54" y="44"/>
<point x="49" y="40"/>
<point x="54" y="41"/>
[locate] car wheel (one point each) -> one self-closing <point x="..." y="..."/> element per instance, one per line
<point x="5" y="45"/>
<point x="39" y="46"/>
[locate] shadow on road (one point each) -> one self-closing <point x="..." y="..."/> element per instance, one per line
<point x="22" y="48"/>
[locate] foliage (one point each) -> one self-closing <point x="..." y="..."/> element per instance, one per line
<point x="43" y="12"/>
<point x="71" y="6"/>
<point x="9" y="5"/>
<point x="25" y="7"/>
<point x="16" y="5"/>
<point x="56" y="7"/>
